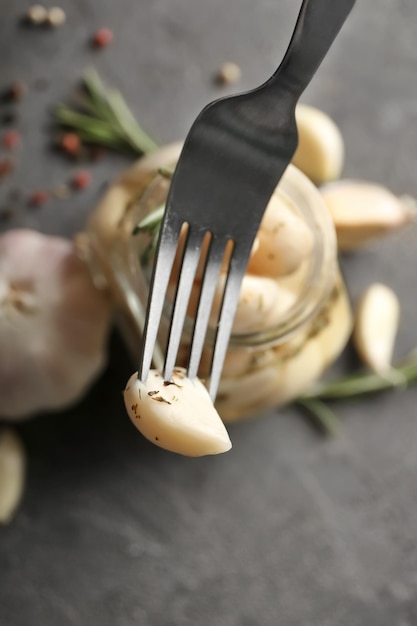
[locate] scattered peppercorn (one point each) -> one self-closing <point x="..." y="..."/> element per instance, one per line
<point x="97" y="153"/>
<point x="6" y="214"/>
<point x="103" y="37"/>
<point x="70" y="143"/>
<point x="37" y="14"/>
<point x="6" y="166"/>
<point x="11" y="139"/>
<point x="228" y="73"/>
<point x="14" y="92"/>
<point x="82" y="179"/>
<point x="38" y="198"/>
<point x="56" y="16"/>
<point x="8" y="118"/>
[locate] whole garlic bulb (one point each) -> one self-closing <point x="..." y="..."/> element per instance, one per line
<point x="53" y="324"/>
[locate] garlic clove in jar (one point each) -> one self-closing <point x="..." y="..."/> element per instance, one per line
<point x="320" y="152"/>
<point x="376" y="327"/>
<point x="177" y="415"/>
<point x="284" y="240"/>
<point x="363" y="211"/>
<point x="53" y="324"/>
<point x="257" y="298"/>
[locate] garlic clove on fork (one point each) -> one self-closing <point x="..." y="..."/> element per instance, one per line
<point x="177" y="415"/>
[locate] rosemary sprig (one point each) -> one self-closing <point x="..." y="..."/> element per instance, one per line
<point x="324" y="417"/>
<point x="103" y="117"/>
<point x="352" y="386"/>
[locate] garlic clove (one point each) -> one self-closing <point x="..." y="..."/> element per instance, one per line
<point x="320" y="152"/>
<point x="53" y="324"/>
<point x="376" y="327"/>
<point x="295" y="373"/>
<point x="364" y="211"/>
<point x="12" y="474"/>
<point x="257" y="299"/>
<point x="284" y="240"/>
<point x="177" y="415"/>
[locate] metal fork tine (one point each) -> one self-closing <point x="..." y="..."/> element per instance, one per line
<point x="228" y="310"/>
<point x="163" y="263"/>
<point x="208" y="289"/>
<point x="188" y="269"/>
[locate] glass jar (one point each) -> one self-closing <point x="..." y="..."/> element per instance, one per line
<point x="267" y="366"/>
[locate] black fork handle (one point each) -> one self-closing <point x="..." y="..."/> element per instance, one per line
<point x="318" y="24"/>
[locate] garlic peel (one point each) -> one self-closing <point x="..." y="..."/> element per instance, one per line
<point x="177" y="415"/>
<point x="53" y="324"/>
<point x="376" y="327"/>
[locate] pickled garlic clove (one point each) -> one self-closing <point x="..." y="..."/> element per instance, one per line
<point x="257" y="299"/>
<point x="363" y="211"/>
<point x="376" y="327"/>
<point x="177" y="415"/>
<point x="284" y="240"/>
<point x="320" y="153"/>
<point x="12" y="474"/>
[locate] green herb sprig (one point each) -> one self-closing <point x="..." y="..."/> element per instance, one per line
<point x="358" y="384"/>
<point x="150" y="225"/>
<point x="104" y="118"/>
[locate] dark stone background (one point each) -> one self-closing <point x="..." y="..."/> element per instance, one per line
<point x="288" y="528"/>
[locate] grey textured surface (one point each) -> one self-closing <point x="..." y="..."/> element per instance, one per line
<point x="287" y="528"/>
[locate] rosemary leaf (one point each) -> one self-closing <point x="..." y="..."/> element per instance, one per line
<point x="166" y="172"/>
<point x="96" y="93"/>
<point x="362" y="383"/>
<point x="151" y="221"/>
<point x="103" y="117"/>
<point x="324" y="417"/>
<point x="134" y="134"/>
<point x="67" y="116"/>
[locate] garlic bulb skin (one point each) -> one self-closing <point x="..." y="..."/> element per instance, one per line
<point x="53" y="324"/>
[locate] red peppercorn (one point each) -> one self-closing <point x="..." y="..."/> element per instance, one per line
<point x="103" y="37"/>
<point x="16" y="91"/>
<point x="6" y="166"/>
<point x="38" y="198"/>
<point x="11" y="139"/>
<point x="71" y="143"/>
<point x="82" y="179"/>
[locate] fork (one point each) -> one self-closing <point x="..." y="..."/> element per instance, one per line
<point x="232" y="160"/>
